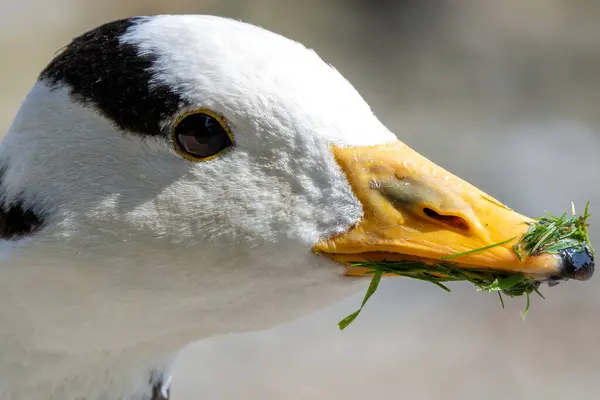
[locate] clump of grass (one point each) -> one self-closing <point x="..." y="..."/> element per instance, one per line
<point x="545" y="235"/>
<point x="552" y="234"/>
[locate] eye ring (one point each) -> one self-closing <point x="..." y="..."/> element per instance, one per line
<point x="201" y="135"/>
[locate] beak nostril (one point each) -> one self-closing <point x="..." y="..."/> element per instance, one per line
<point x="451" y="220"/>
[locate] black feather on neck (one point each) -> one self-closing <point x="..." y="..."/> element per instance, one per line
<point x="16" y="219"/>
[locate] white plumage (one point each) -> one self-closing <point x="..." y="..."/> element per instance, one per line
<point x="144" y="251"/>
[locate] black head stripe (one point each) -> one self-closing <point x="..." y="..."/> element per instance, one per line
<point x="101" y="71"/>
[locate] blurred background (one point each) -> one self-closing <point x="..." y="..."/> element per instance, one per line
<point x="504" y="94"/>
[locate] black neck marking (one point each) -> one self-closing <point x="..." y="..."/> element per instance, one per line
<point x="157" y="392"/>
<point x="18" y="222"/>
<point x="112" y="76"/>
<point x="16" y="219"/>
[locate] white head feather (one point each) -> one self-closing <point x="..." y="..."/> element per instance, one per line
<point x="142" y="250"/>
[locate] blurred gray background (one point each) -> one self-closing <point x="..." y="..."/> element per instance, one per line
<point x="506" y="94"/>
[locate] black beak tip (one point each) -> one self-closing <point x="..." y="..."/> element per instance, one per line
<point x="577" y="263"/>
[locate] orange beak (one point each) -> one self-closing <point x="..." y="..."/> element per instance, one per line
<point x="416" y="210"/>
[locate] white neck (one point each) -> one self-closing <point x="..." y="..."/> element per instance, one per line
<point x="97" y="320"/>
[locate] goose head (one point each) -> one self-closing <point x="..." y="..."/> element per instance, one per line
<point x="170" y="178"/>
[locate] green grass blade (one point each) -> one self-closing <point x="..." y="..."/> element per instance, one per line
<point x="372" y="288"/>
<point x="524" y="313"/>
<point x="466" y="253"/>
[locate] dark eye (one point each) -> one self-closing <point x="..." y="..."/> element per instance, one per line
<point x="201" y="135"/>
